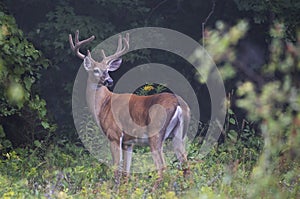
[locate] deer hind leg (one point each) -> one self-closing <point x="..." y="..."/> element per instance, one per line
<point x="157" y="155"/>
<point x="176" y="128"/>
<point x="160" y="166"/>
<point x="179" y="146"/>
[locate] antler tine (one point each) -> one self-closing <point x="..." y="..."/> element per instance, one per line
<point x="76" y="46"/>
<point x="71" y="42"/>
<point x="127" y="38"/>
<point x="120" y="49"/>
<point x="119" y="43"/>
<point x="89" y="54"/>
<point x="77" y="36"/>
<point x="103" y="54"/>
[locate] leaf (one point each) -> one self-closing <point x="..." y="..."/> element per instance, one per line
<point x="232" y="121"/>
<point x="230" y="111"/>
<point x="37" y="144"/>
<point x="2" y="133"/>
<point x="45" y="124"/>
<point x="232" y="134"/>
<point x="28" y="82"/>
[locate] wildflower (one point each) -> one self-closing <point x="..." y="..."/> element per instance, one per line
<point x="148" y="88"/>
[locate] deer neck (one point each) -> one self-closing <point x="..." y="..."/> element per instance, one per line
<point x="96" y="96"/>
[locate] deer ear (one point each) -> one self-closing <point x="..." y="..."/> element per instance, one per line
<point x="87" y="63"/>
<point x="114" y="64"/>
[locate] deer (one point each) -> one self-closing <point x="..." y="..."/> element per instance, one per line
<point x="118" y="115"/>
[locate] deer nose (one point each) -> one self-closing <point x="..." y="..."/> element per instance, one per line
<point x="109" y="82"/>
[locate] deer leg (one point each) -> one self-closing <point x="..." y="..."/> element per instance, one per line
<point x="127" y="160"/>
<point x="158" y="161"/>
<point x="179" y="147"/>
<point x="160" y="166"/>
<point x="116" y="152"/>
<point x="157" y="155"/>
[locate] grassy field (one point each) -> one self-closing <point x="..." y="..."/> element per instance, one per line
<point x="64" y="170"/>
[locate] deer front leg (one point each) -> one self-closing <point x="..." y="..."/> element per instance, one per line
<point x="127" y="160"/>
<point x="116" y="151"/>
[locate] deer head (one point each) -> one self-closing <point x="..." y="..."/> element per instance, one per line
<point x="98" y="71"/>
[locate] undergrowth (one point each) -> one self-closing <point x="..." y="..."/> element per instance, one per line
<point x="65" y="170"/>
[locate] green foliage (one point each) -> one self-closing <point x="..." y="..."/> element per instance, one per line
<point x="276" y="105"/>
<point x="20" y="63"/>
<point x="70" y="172"/>
<point x="67" y="17"/>
<point x="20" y="66"/>
<point x="4" y="143"/>
<point x="61" y="22"/>
<point x="273" y="106"/>
<point x="48" y="172"/>
<point x="266" y="11"/>
<point x="220" y="44"/>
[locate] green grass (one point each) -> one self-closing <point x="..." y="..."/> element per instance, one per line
<point x="65" y="170"/>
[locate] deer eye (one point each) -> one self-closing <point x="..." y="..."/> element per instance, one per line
<point x="105" y="73"/>
<point x="96" y="72"/>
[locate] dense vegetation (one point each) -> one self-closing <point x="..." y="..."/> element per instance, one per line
<point x="258" y="57"/>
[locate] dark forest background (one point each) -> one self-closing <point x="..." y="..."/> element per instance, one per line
<point x="47" y="26"/>
<point x="38" y="68"/>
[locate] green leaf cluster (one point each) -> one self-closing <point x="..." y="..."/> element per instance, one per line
<point x="20" y="68"/>
<point x="271" y="105"/>
<point x="285" y="11"/>
<point x="276" y="106"/>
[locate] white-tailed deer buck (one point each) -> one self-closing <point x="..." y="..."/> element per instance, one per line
<point x="115" y="113"/>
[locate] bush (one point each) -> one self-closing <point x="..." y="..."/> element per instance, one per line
<point x="22" y="111"/>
